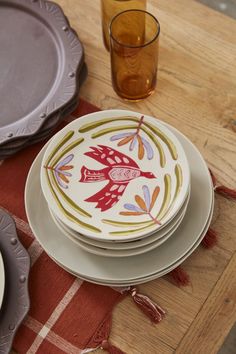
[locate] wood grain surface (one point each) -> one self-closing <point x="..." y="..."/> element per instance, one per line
<point x="196" y="93"/>
<point x="217" y="312"/>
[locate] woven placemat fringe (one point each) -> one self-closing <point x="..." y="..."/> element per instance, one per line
<point x="146" y="305"/>
<point x="210" y="239"/>
<point x="180" y="276"/>
<point x="106" y="345"/>
<point x="101" y="338"/>
<point x="221" y="189"/>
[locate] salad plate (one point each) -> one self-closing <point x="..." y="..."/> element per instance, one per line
<point x="156" y="236"/>
<point x="106" y="252"/>
<point x="115" y="175"/>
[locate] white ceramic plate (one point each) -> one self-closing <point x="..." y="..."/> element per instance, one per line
<point x="121" y="253"/>
<point x="153" y="276"/>
<point x="115" y="175"/>
<point x="163" y="272"/>
<point x="105" y="269"/>
<point x="2" y="280"/>
<point x="162" y="235"/>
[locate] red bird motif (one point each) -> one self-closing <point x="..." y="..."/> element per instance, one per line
<point x="120" y="170"/>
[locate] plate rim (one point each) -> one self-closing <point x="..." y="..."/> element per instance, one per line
<point x="11" y="318"/>
<point x="2" y="280"/>
<point x="139" y="250"/>
<point x="169" y="268"/>
<point x="73" y="60"/>
<point x="108" y="242"/>
<point x="152" y="276"/>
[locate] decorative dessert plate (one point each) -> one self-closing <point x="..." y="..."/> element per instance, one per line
<point x="105" y="269"/>
<point x="16" y="298"/>
<point x="2" y="280"/>
<point x="40" y="57"/>
<point x="115" y="175"/>
<point x="160" y="235"/>
<point x="152" y="276"/>
<point x="106" y="252"/>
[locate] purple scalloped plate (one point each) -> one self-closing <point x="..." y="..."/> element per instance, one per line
<point x="40" y="57"/>
<point x="42" y="135"/>
<point x="2" y="280"/>
<point x="13" y="146"/>
<point x="16" y="301"/>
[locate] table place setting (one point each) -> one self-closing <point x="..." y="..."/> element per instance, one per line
<point x="95" y="204"/>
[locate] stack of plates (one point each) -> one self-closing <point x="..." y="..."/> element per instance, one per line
<point x="40" y="69"/>
<point x="118" y="198"/>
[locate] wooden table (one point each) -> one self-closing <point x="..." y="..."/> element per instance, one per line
<point x="196" y="93"/>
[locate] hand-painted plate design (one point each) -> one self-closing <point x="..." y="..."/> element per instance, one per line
<point x="115" y="174"/>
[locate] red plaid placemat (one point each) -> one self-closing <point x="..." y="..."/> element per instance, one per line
<point x="66" y="315"/>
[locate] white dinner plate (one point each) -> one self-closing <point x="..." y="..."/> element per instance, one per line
<point x="115" y="174"/>
<point x="2" y="280"/>
<point x="123" y="252"/>
<point x="153" y="276"/>
<point x="105" y="269"/>
<point x="157" y="237"/>
<point x="142" y="280"/>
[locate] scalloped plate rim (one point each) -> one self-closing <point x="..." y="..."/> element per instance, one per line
<point x="2" y="280"/>
<point x="9" y="316"/>
<point x="32" y="121"/>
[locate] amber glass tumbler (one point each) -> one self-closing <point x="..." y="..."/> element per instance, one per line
<point x="110" y="8"/>
<point x="134" y="39"/>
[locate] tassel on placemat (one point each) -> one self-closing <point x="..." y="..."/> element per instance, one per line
<point x="210" y="239"/>
<point x="222" y="190"/>
<point x="180" y="276"/>
<point x="226" y="192"/>
<point x="110" y="348"/>
<point x="147" y="306"/>
<point x="100" y="339"/>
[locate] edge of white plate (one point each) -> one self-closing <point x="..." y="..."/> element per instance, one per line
<point x="153" y="276"/>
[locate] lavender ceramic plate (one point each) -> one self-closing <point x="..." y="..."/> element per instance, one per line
<point x="16" y="299"/>
<point x="40" y="57"/>
<point x="2" y="280"/>
<point x="42" y="134"/>
<point x="12" y="146"/>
